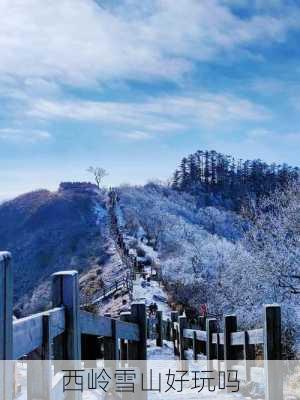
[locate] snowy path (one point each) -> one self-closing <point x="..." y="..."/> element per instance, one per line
<point x="154" y="293"/>
<point x="163" y="358"/>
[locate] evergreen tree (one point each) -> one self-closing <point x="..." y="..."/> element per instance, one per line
<point x="237" y="180"/>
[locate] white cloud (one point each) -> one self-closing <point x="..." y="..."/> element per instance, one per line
<point x="23" y="136"/>
<point x="154" y="116"/>
<point x="138" y="135"/>
<point x="79" y="43"/>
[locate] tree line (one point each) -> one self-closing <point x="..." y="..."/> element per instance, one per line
<point x="212" y="172"/>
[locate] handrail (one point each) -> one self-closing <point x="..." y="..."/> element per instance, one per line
<point x="200" y="335"/>
<point x="108" y="290"/>
<point x="92" y="324"/>
<point x="28" y="331"/>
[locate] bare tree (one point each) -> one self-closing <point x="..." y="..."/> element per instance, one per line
<point x="98" y="173"/>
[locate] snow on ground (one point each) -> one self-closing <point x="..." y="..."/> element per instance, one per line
<point x="163" y="357"/>
<point x="160" y="353"/>
<point x="149" y="252"/>
<point x="152" y="293"/>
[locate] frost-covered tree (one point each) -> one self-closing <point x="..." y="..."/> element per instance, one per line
<point x="98" y="173"/>
<point x="274" y="242"/>
<point x="233" y="263"/>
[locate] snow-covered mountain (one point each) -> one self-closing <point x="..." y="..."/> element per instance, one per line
<point x="50" y="231"/>
<point x="231" y="262"/>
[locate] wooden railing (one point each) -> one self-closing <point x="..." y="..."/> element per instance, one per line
<point x="64" y="332"/>
<point x="222" y="348"/>
<point x="108" y="290"/>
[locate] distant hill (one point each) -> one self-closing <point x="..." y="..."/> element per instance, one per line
<point x="50" y="231"/>
<point x="221" y="180"/>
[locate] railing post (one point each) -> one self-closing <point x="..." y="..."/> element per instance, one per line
<point x="230" y="326"/>
<point x="201" y="323"/>
<point x="168" y="330"/>
<point x="6" y="321"/>
<point x="111" y="348"/>
<point x="249" y="356"/>
<point x="174" y="318"/>
<point x="39" y="376"/>
<point x="65" y="292"/>
<point x="89" y="350"/>
<point x="182" y="325"/>
<point x="272" y="353"/>
<point x="139" y="316"/>
<point x="124" y="316"/>
<point x="6" y="306"/>
<point x="194" y="345"/>
<point x="211" y="327"/>
<point x="159" y="339"/>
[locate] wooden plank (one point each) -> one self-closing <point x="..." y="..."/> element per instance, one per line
<point x="188" y="333"/>
<point x="111" y="344"/>
<point x="132" y="346"/>
<point x="272" y="353"/>
<point x="139" y="316"/>
<point x="214" y="338"/>
<point x="200" y="335"/>
<point x="221" y="339"/>
<point x="28" y="331"/>
<point x="89" y="350"/>
<point x="39" y="374"/>
<point x="182" y="324"/>
<point x="6" y="306"/>
<point x="237" y="338"/>
<point x="6" y="318"/>
<point x="249" y="356"/>
<point x="211" y="328"/>
<point x="219" y="353"/>
<point x="27" y="335"/>
<point x="128" y="330"/>
<point x="168" y="329"/>
<point x="272" y="347"/>
<point x="218" y="338"/>
<point x="92" y="324"/>
<point x="194" y="345"/>
<point x="57" y="321"/>
<point x="124" y="344"/>
<point x="159" y="327"/>
<point x="65" y="291"/>
<point x="230" y="326"/>
<point x="256" y="336"/>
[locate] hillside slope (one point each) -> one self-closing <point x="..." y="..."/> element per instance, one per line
<point x="50" y="231"/>
<point x="215" y="257"/>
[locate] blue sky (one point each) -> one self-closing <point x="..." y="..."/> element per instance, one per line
<point x="133" y="86"/>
